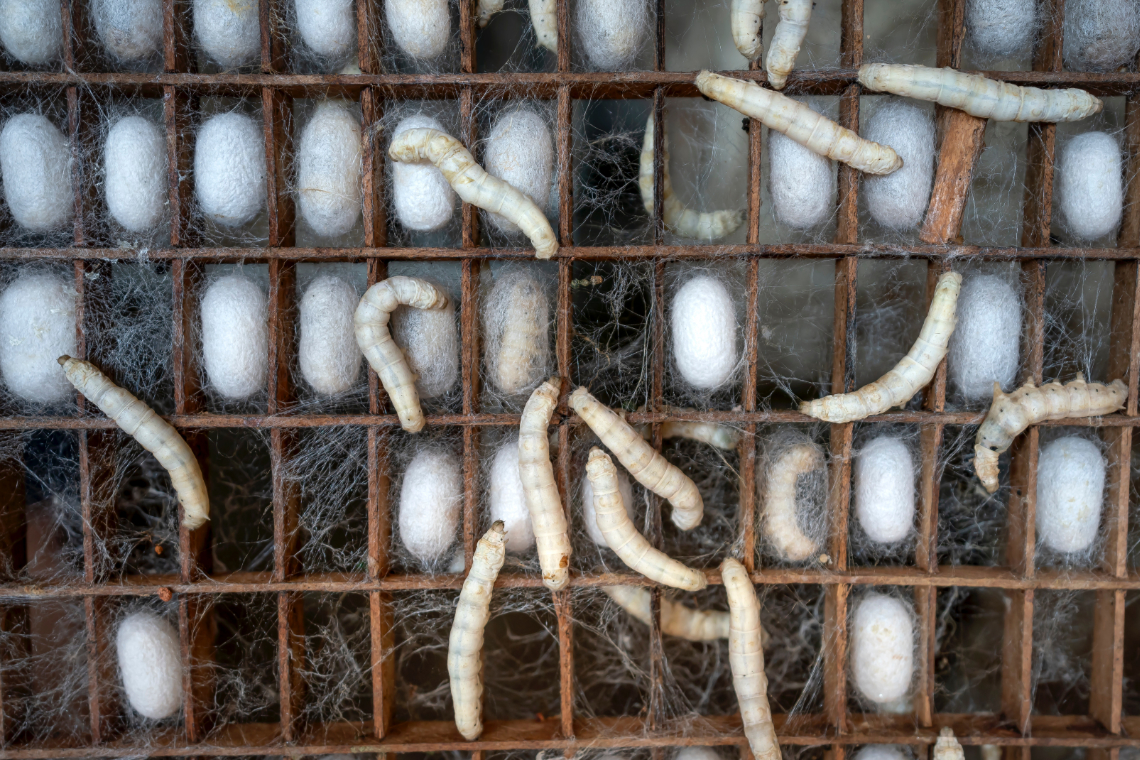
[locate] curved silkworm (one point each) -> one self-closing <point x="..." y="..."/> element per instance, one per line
<point x="1012" y="413"/>
<point x="153" y="433"/>
<point x="907" y="377"/>
<point x="384" y="356"/>
<point x="465" y="645"/>
<point x="485" y="9"/>
<point x="646" y="465"/>
<point x="537" y="475"/>
<point x="712" y="433"/>
<point x="676" y="619"/>
<point x="474" y="185"/>
<point x="544" y="19"/>
<point x="787" y="39"/>
<point x="747" y="34"/>
<point x="631" y="547"/>
<point x="780" y="524"/>
<point x="978" y="95"/>
<point x="699" y="225"/>
<point x="946" y="747"/>
<point x="746" y="659"/>
<point x="815" y="132"/>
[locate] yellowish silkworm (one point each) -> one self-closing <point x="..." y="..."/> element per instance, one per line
<point x="646" y="465"/>
<point x="384" y="356"/>
<point x="746" y="659"/>
<point x="978" y="95"/>
<point x="474" y="185"/>
<point x="676" y="619"/>
<point x="153" y="433"/>
<point x="946" y="747"/>
<point x="465" y="645"/>
<point x="631" y="547"/>
<point x="787" y="39"/>
<point x="746" y="17"/>
<point x="714" y="434"/>
<point x="544" y="19"/>
<point x="698" y="225"/>
<point x="907" y="377"/>
<point x="485" y="9"/>
<point x="551" y="533"/>
<point x="780" y="523"/>
<point x="1011" y="413"/>
<point x="815" y="132"/>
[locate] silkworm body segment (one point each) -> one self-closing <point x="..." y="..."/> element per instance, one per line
<point x="786" y="42"/>
<point x="551" y="533"/>
<point x="746" y="16"/>
<point x="544" y="19"/>
<point x="780" y="523"/>
<point x="746" y="658"/>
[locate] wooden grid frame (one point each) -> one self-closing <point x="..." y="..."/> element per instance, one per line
<point x="1104" y="729"/>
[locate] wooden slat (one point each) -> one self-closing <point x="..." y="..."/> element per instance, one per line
<point x="1039" y="185"/>
<point x="951" y="21"/>
<point x="290" y="662"/>
<point x="369" y="39"/>
<point x="177" y="107"/>
<point x="1107" y="677"/>
<point x="273" y="43"/>
<point x="1130" y="223"/>
<point x="1017" y="661"/>
<point x="102" y="670"/>
<point x="835" y="657"/>
<point x="847" y="229"/>
<point x="277" y="117"/>
<point x="963" y="137"/>
<point x="176" y="26"/>
<point x="925" y="607"/>
<point x="565" y="149"/>
<point x="197" y="630"/>
<point x="375" y="212"/>
<point x="383" y="642"/>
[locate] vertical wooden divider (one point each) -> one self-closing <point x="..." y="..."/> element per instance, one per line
<point x="14" y="551"/>
<point x="176" y="27"/>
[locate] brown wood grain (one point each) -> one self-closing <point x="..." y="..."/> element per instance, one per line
<point x="963" y="137"/>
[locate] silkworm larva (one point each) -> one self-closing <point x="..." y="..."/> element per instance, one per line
<point x="646" y="465"/>
<point x="946" y="747"/>
<point x="706" y="225"/>
<point x="746" y="16"/>
<point x="1012" y="413"/>
<point x="384" y="356"/>
<point x="485" y="9"/>
<point x="544" y="19"/>
<point x="978" y="95"/>
<point x="712" y="433"/>
<point x="465" y="645"/>
<point x="676" y="619"/>
<point x="621" y="535"/>
<point x="537" y="474"/>
<point x="794" y="119"/>
<point x="746" y="658"/>
<point x="907" y="377"/>
<point x="786" y="41"/>
<point x="474" y="185"/>
<point x="152" y="432"/>
<point x="780" y="524"/>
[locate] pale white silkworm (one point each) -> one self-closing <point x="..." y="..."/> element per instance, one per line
<point x="551" y="533"/>
<point x="631" y="547"/>
<point x="910" y="375"/>
<point x="780" y="524"/>
<point x="746" y="16"/>
<point x="384" y="356"/>
<point x="676" y="619"/>
<point x="946" y="747"/>
<point x="544" y="19"/>
<point x="699" y="225"/>
<point x="787" y="39"/>
<point x="712" y="433"/>
<point x="465" y="645"/>
<point x="152" y="432"/>
<point x="1011" y="413"/>
<point x="978" y="95"/>
<point x="815" y="132"/>
<point x="485" y="9"/>
<point x="646" y="465"/>
<point x="474" y="185"/>
<point x="746" y="659"/>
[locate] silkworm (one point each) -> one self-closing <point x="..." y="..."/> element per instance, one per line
<point x="698" y="225"/>
<point x="780" y="523"/>
<point x="383" y="355"/>
<point x="712" y="433"/>
<point x="520" y="152"/>
<point x="485" y="9"/>
<point x="153" y="433"/>
<point x="551" y="533"/>
<point x="787" y="39"/>
<point x="621" y="535"/>
<point x="746" y="17"/>
<point x="465" y="644"/>
<point x="799" y="122"/>
<point x="474" y="185"/>
<point x="544" y="19"/>
<point x="646" y="465"/>
<point x="907" y="377"/>
<point x="421" y="197"/>
<point x="946" y="747"/>
<point x="1011" y="413"/>
<point x="746" y="659"/>
<point x="150" y="664"/>
<point x="676" y="619"/>
<point x="977" y="95"/>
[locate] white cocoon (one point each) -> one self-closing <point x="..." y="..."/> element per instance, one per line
<point x="229" y="31"/>
<point x="508" y="502"/>
<point x="1091" y="185"/>
<point x="420" y="27"/>
<point x="229" y="169"/>
<point x="150" y="664"/>
<point x="429" y="339"/>
<point x="884" y="490"/>
<point x="328" y="174"/>
<point x="516" y="321"/>
<point x="1070" y="492"/>
<point x="235" y="336"/>
<point x="328" y="27"/>
<point x="1000" y="28"/>
<point x="421" y="195"/>
<point x="590" y="515"/>
<point x="612" y="32"/>
<point x="135" y="162"/>
<point x="882" y="648"/>
<point x="697" y="753"/>
<point x="881" y="752"/>
<point x="430" y="498"/>
<point x="37" y="326"/>
<point x="1101" y="35"/>
<point x="801" y="181"/>
<point x="35" y="164"/>
<point x="31" y="31"/>
<point x="898" y="200"/>
<point x="130" y="30"/>
<point x="985" y="344"/>
<point x="327" y="353"/>
<point x="703" y="321"/>
<point x="521" y="153"/>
